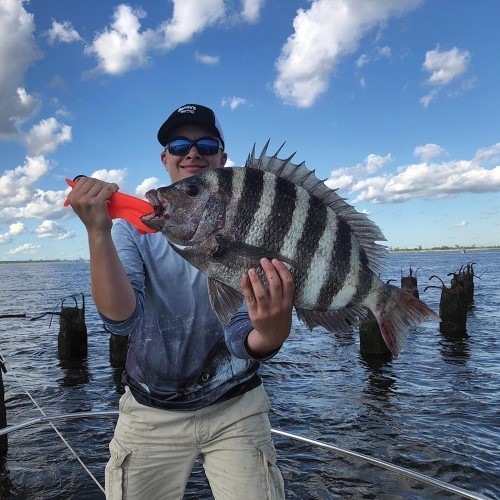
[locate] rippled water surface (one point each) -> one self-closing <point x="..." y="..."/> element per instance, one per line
<point x="434" y="410"/>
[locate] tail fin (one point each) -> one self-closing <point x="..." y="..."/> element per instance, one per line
<point x="396" y="312"/>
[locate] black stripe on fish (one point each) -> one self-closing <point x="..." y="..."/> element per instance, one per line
<point x="248" y="204"/>
<point x="281" y="214"/>
<point x="340" y="266"/>
<point x="311" y="234"/>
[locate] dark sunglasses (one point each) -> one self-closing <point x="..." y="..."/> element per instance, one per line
<point x="206" y="146"/>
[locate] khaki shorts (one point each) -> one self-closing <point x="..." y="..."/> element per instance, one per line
<point x="153" y="450"/>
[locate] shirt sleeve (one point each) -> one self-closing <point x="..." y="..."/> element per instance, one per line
<point x="236" y="333"/>
<point x="133" y="264"/>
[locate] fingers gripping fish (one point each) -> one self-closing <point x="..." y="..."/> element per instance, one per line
<point x="223" y="221"/>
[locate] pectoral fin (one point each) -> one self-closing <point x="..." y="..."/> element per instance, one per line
<point x="235" y="250"/>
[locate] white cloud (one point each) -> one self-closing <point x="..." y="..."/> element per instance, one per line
<point x="15" y="229"/>
<point x="146" y="185"/>
<point x="189" y="18"/>
<point x="384" y="52"/>
<point x="46" y="136"/>
<point x="45" y="205"/>
<point x="311" y="54"/>
<point x="251" y="10"/>
<point x="347" y="178"/>
<point x="229" y="163"/>
<point x="462" y="223"/>
<point x="419" y="180"/>
<point x="122" y="46"/>
<point x="49" y="229"/>
<point x="445" y="66"/>
<point x="62" y="32"/>
<point x="18" y="50"/>
<point x="428" y="152"/>
<point x="428" y="98"/>
<point x="206" y="59"/>
<point x="16" y="185"/>
<point x="114" y="175"/>
<point x="488" y="155"/>
<point x="376" y="162"/>
<point x="20" y="199"/>
<point x="362" y="60"/>
<point x="28" y="248"/>
<point x="233" y="102"/>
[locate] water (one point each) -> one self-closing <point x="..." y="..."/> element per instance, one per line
<point x="434" y="410"/>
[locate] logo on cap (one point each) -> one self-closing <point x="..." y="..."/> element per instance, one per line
<point x="187" y="109"/>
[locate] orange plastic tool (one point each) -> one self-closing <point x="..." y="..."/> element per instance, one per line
<point x="124" y="206"/>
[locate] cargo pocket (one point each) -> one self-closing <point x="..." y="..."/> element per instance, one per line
<point x="272" y="480"/>
<point x="115" y="476"/>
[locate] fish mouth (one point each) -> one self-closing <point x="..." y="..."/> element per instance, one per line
<point x="161" y="207"/>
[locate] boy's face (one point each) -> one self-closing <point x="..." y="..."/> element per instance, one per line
<point x="181" y="167"/>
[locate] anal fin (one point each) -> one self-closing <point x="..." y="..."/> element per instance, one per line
<point x="340" y="321"/>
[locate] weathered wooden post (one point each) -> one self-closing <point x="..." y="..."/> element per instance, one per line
<point x="3" y="412"/>
<point x="409" y="283"/>
<point x="452" y="307"/>
<point x="72" y="340"/>
<point x="118" y="347"/>
<point x="371" y="342"/>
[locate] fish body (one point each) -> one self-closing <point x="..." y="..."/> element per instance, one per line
<point x="223" y="221"/>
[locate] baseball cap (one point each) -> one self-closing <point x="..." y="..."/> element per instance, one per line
<point x="190" y="113"/>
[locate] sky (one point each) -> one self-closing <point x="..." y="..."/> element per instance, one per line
<point x="395" y="103"/>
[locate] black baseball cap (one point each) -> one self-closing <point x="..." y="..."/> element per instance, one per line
<point x="190" y="113"/>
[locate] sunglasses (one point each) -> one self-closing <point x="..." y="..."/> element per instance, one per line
<point x="206" y="146"/>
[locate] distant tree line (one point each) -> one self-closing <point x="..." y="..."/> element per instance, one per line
<point x="444" y="247"/>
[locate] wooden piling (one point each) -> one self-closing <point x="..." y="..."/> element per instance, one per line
<point x="72" y="339"/>
<point x="409" y="283"/>
<point x="118" y="347"/>
<point x="371" y="342"/>
<point x="3" y="412"/>
<point x="453" y="308"/>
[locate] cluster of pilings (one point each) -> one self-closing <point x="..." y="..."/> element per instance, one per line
<point x="456" y="299"/>
<point x="453" y="306"/>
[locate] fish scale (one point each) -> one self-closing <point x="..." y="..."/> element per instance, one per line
<point x="225" y="220"/>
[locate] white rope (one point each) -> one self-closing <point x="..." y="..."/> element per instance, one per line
<point x="73" y="452"/>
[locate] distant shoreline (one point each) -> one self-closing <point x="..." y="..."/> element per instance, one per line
<point x="458" y="250"/>
<point x="43" y="261"/>
<point x="393" y="250"/>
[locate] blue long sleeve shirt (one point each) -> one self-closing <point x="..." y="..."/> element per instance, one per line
<point x="179" y="355"/>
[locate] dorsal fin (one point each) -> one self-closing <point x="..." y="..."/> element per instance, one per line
<point x="366" y="231"/>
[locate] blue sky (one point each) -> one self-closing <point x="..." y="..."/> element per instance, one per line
<point x="395" y="102"/>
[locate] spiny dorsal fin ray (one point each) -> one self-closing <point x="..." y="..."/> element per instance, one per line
<point x="366" y="231"/>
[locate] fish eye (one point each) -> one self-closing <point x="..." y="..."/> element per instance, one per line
<point x="192" y="190"/>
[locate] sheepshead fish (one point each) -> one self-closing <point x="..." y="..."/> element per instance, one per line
<point x="224" y="220"/>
